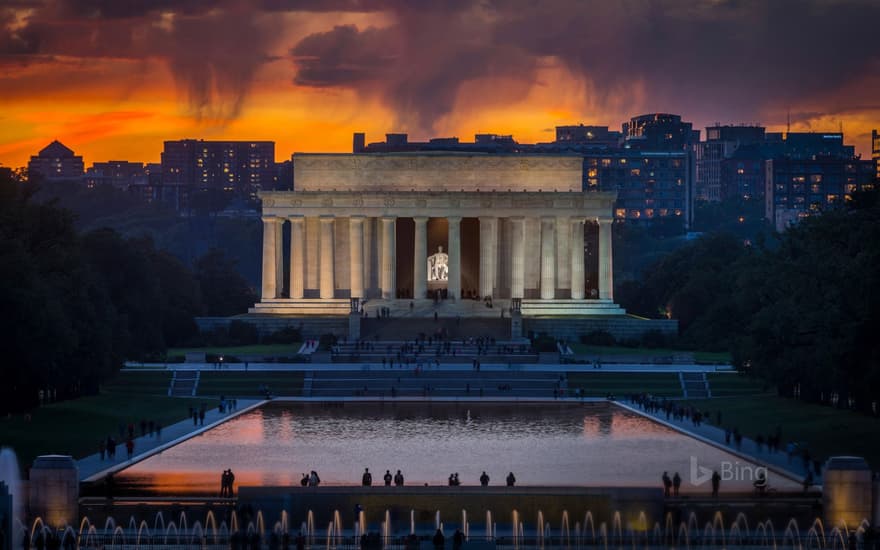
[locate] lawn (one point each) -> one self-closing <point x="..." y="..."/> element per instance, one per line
<point x="600" y="384"/>
<point x="825" y="430"/>
<point x="699" y="356"/>
<point x="75" y="427"/>
<point x="256" y="349"/>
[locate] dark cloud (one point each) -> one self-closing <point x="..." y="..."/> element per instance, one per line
<point x="732" y="59"/>
<point x="212" y="47"/>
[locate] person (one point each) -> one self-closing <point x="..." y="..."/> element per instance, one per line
<point x="760" y="483"/>
<point x="676" y="484"/>
<point x="457" y="482"/>
<point x="439" y="540"/>
<point x="230" y="480"/>
<point x="457" y="539"/>
<point x="388" y="478"/>
<point x="305" y="480"/>
<point x="716" y="482"/>
<point x="129" y="447"/>
<point x="102" y="448"/>
<point x="484" y="480"/>
<point x="808" y="481"/>
<point x="224" y="481"/>
<point x="367" y="478"/>
<point x="451" y="480"/>
<point x="511" y="479"/>
<point x="667" y="485"/>
<point x="314" y="480"/>
<point x="398" y="479"/>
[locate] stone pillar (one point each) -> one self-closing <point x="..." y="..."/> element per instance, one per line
<point x="548" y="258"/>
<point x="389" y="238"/>
<point x="356" y="247"/>
<point x="577" y="259"/>
<point x="488" y="253"/>
<point x="453" y="286"/>
<point x="270" y="258"/>
<point x="279" y="257"/>
<point x="517" y="262"/>
<point x="563" y="246"/>
<point x="846" y="491"/>
<point x="369" y="272"/>
<point x="327" y="280"/>
<point x="606" y="278"/>
<point x="420" y="258"/>
<point x="53" y="492"/>
<point x="297" y="256"/>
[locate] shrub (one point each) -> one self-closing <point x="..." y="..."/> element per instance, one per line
<point x="286" y="335"/>
<point x="326" y="341"/>
<point x="598" y="338"/>
<point x="654" y="339"/>
<point x="242" y="333"/>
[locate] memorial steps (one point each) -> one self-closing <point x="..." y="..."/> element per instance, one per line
<point x="429" y="383"/>
<point x="408" y="328"/>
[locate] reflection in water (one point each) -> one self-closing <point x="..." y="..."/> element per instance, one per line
<point x="594" y="445"/>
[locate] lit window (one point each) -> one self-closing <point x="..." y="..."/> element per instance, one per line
<point x="606" y="162"/>
<point x="635" y="172"/>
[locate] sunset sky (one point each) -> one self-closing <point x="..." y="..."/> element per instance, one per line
<point x="112" y="79"/>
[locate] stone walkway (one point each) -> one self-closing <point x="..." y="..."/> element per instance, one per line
<point x="92" y="468"/>
<point x="775" y="461"/>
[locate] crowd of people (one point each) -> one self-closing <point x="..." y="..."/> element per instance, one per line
<point x="127" y="434"/>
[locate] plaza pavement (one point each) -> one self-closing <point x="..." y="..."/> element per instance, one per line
<point x="514" y="367"/>
<point x="775" y="461"/>
<point x="92" y="468"/>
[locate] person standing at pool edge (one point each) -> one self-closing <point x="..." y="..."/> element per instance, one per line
<point x="367" y="478"/>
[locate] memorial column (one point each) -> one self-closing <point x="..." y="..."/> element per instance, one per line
<point x="297" y="256"/>
<point x="517" y="262"/>
<point x="356" y="257"/>
<point x="389" y="224"/>
<point x="488" y="242"/>
<point x="453" y="286"/>
<point x="548" y="258"/>
<point x="577" y="259"/>
<point x="327" y="281"/>
<point x="270" y="257"/>
<point x="420" y="258"/>
<point x="606" y="280"/>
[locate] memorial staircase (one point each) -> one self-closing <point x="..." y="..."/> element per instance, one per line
<point x="413" y="353"/>
<point x="433" y="384"/>
<point x="410" y="328"/>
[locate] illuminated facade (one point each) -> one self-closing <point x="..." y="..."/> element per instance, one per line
<point x="407" y="226"/>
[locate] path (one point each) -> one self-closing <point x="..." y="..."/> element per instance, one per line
<point x="775" y="461"/>
<point x="92" y="468"/>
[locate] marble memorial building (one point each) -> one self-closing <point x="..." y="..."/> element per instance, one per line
<point x="385" y="227"/>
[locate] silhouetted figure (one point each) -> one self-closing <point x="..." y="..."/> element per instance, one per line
<point x="457" y="539"/>
<point x="511" y="479"/>
<point x="398" y="479"/>
<point x="676" y="484"/>
<point x="667" y="485"/>
<point x="305" y="480"/>
<point x="367" y="478"/>
<point x="716" y="483"/>
<point x="484" y="480"/>
<point x="388" y="477"/>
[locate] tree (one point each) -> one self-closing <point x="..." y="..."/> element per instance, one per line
<point x="224" y="291"/>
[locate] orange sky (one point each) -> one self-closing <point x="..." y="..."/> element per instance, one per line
<point x="122" y="107"/>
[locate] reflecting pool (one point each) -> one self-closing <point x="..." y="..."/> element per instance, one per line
<point x="542" y="444"/>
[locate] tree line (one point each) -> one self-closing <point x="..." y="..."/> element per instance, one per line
<point x="75" y="305"/>
<point x="797" y="309"/>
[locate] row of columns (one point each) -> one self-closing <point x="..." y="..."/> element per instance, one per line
<point x="273" y="269"/>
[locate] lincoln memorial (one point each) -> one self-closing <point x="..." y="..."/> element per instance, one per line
<point x="411" y="231"/>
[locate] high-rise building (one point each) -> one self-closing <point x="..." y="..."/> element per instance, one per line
<point x="56" y="162"/>
<point x="238" y="167"/>
<point x="590" y="136"/>
<point x="721" y="143"/>
<point x="799" y="187"/>
<point x="118" y="173"/>
<point x="650" y="185"/>
<point x="875" y="152"/>
<point x="659" y="132"/>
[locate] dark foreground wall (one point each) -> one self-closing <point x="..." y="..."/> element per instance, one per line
<point x="624" y="327"/>
<point x="450" y="501"/>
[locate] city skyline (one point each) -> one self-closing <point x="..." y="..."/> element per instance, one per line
<point x="115" y="81"/>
